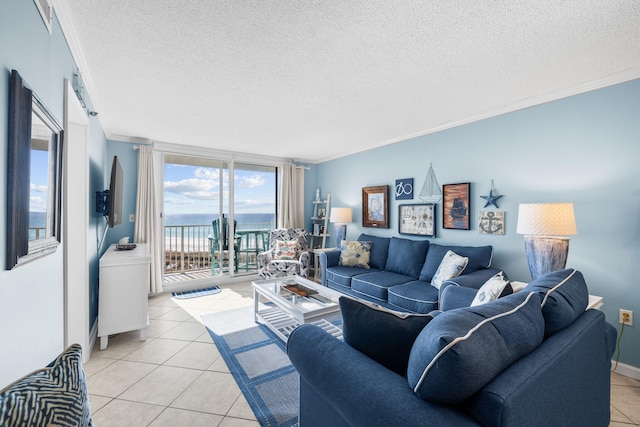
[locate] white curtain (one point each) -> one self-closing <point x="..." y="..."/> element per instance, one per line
<point x="291" y="200"/>
<point x="147" y="218"/>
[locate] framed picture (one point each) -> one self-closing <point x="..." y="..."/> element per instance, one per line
<point x="417" y="219"/>
<point x="491" y="222"/>
<point x="375" y="208"/>
<point x="455" y="206"/>
<point x="404" y="189"/>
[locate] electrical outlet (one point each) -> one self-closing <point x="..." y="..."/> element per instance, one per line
<point x="132" y="217"/>
<point x="626" y="317"/>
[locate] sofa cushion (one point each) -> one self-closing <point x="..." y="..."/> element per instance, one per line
<point x="385" y="336"/>
<point x="376" y="284"/>
<point x="452" y="265"/>
<point x="355" y="254"/>
<point x="564" y="297"/>
<point x="341" y="275"/>
<point x="479" y="257"/>
<point x="416" y="296"/>
<point x="406" y="256"/>
<point x="379" y="250"/>
<point x="490" y="290"/>
<point x="55" y="395"/>
<point x="461" y="350"/>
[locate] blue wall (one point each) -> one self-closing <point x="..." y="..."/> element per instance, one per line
<point x="128" y="159"/>
<point x="31" y="296"/>
<point x="582" y="149"/>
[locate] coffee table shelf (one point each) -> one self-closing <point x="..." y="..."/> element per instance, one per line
<point x="287" y="310"/>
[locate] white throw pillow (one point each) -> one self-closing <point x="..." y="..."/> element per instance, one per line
<point x="451" y="266"/>
<point x="490" y="290"/>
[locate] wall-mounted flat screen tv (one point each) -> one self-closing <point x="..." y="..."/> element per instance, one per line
<point x="109" y="202"/>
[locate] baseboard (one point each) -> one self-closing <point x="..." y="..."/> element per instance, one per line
<point x="626" y="370"/>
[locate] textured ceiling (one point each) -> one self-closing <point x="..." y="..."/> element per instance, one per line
<point x="314" y="80"/>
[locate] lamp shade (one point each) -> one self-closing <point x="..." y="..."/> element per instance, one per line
<point x="340" y="215"/>
<point x="546" y="219"/>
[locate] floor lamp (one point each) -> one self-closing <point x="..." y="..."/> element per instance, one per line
<point x="543" y="224"/>
<point x="340" y="217"/>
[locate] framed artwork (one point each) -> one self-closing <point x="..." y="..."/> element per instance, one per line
<point x="491" y="222"/>
<point x="375" y="208"/>
<point x="417" y="219"/>
<point x="404" y="189"/>
<point x="455" y="206"/>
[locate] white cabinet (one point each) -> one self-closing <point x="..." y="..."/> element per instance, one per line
<point x="123" y="292"/>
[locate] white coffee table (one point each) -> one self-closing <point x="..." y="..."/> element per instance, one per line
<point x="292" y="301"/>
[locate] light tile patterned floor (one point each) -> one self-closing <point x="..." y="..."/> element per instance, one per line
<point x="169" y="379"/>
<point x="174" y="378"/>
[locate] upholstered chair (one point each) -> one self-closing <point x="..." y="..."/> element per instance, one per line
<point x="287" y="254"/>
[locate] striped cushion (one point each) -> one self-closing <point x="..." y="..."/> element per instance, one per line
<point x="55" y="395"/>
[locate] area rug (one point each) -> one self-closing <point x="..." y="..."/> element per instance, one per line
<point x="197" y="293"/>
<point x="258" y="361"/>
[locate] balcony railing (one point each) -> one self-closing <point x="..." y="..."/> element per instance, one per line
<point x="186" y="247"/>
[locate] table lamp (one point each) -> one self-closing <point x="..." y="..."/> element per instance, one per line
<point x="543" y="224"/>
<point x="340" y="217"/>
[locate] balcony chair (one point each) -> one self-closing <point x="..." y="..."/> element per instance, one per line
<point x="287" y="254"/>
<point x="215" y="240"/>
<point x="253" y="242"/>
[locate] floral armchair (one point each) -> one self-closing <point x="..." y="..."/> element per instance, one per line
<point x="287" y="255"/>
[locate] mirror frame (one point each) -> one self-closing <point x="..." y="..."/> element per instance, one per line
<point x="22" y="104"/>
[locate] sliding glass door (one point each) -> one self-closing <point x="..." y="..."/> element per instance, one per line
<point x="214" y="226"/>
<point x="254" y="202"/>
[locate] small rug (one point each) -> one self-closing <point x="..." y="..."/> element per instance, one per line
<point x="197" y="293"/>
<point x="258" y="361"/>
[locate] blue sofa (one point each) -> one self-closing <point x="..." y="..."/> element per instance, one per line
<point x="532" y="358"/>
<point x="400" y="272"/>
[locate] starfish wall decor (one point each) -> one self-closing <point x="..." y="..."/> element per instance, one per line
<point x="491" y="199"/>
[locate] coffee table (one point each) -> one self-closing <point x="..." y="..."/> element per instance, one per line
<point x="293" y="301"/>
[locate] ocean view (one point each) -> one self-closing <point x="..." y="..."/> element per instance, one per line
<point x="245" y="221"/>
<point x="189" y="232"/>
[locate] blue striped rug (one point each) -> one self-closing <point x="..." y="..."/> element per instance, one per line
<point x="258" y="361"/>
<point x="197" y="293"/>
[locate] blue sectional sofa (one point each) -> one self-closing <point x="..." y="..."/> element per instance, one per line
<point x="400" y="272"/>
<point x="532" y="358"/>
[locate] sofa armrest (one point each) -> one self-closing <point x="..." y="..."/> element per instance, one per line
<point x="328" y="259"/>
<point x="473" y="280"/>
<point x="358" y="389"/>
<point x="564" y="382"/>
<point x="455" y="297"/>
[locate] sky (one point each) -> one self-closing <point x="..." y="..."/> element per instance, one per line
<point x="195" y="190"/>
<point x="39" y="172"/>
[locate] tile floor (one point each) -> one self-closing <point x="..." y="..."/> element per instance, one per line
<point x="174" y="378"/>
<point x="169" y="379"/>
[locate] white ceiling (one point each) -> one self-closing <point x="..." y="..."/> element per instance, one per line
<point x="314" y="80"/>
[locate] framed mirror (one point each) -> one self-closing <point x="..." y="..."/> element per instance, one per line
<point x="34" y="172"/>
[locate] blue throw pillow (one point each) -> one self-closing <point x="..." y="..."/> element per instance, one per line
<point x="55" y="395"/>
<point x="379" y="250"/>
<point x="462" y="350"/>
<point x="564" y="297"/>
<point x="479" y="257"/>
<point x="406" y="256"/>
<point x="383" y="335"/>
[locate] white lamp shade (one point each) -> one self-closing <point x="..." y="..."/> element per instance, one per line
<point x="340" y="215"/>
<point x="546" y="219"/>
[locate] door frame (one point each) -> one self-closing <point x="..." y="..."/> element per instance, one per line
<point x="76" y="223"/>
